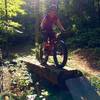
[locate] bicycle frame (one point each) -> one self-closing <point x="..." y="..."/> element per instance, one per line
<point x="48" y="46"/>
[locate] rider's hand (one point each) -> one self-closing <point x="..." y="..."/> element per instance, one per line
<point x="63" y="32"/>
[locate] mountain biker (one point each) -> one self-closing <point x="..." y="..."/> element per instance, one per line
<point x="47" y="23"/>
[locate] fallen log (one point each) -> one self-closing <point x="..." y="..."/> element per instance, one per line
<point x="52" y="74"/>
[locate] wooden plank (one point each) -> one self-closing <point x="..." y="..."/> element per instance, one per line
<point x="81" y="89"/>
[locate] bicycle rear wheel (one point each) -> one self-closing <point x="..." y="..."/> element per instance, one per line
<point x="60" y="54"/>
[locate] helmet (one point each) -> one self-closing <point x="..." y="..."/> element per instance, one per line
<point x="53" y="7"/>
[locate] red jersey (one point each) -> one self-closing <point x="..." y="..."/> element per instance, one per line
<point x="48" y="25"/>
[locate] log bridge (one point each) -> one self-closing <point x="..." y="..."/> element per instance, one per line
<point x="79" y="87"/>
<point x="52" y="74"/>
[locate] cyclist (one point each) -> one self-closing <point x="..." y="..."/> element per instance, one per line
<point x="47" y="23"/>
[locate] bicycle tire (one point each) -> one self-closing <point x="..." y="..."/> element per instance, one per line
<point x="43" y="58"/>
<point x="64" y="46"/>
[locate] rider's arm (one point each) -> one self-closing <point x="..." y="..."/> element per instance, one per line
<point x="60" y="25"/>
<point x="42" y="22"/>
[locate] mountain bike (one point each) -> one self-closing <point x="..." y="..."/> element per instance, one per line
<point x="56" y="48"/>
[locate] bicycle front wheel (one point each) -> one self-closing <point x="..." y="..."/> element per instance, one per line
<point x="60" y="54"/>
<point x="43" y="55"/>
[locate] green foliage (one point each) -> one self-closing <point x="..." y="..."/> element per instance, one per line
<point x="95" y="81"/>
<point x="14" y="7"/>
<point x="85" y="39"/>
<point x="80" y="16"/>
<point x="8" y="25"/>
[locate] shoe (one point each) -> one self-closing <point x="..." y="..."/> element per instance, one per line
<point x="43" y="64"/>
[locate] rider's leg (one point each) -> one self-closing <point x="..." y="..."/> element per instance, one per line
<point x="52" y="37"/>
<point x="45" y="38"/>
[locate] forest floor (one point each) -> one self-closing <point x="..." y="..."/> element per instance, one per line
<point x="85" y="60"/>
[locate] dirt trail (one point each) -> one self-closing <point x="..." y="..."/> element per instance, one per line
<point x="83" y="65"/>
<point x="86" y="61"/>
<point x="77" y="62"/>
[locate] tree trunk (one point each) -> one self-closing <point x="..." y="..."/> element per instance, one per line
<point x="36" y="11"/>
